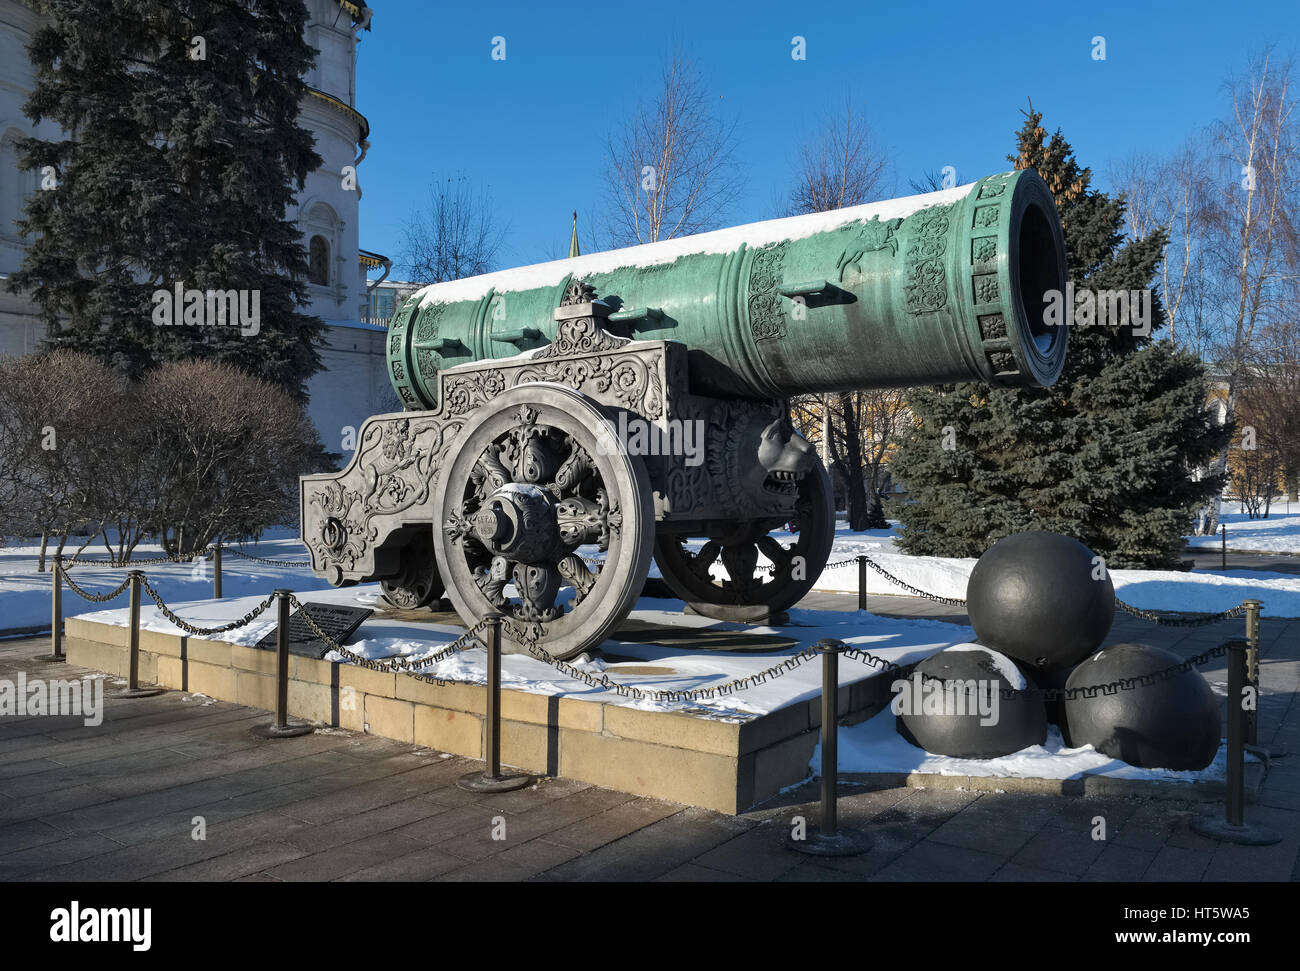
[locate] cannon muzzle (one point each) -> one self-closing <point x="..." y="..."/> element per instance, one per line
<point x="943" y="287"/>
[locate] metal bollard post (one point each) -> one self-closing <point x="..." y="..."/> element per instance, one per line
<point x="133" y="689"/>
<point x="216" y="570"/>
<point x="1233" y="828"/>
<point x="56" y="615"/>
<point x="1252" y="667"/>
<point x="829" y="839"/>
<point x="1224" y="547"/>
<point x="492" y="780"/>
<point x="862" y="583"/>
<point x="280" y="728"/>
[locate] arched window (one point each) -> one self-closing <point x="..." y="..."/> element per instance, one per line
<point x="318" y="261"/>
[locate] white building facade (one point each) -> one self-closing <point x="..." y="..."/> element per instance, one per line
<point x="354" y="384"/>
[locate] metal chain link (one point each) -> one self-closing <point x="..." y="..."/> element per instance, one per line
<point x="122" y="564"/>
<point x="915" y="591"/>
<point x="1053" y="694"/>
<point x="398" y="665"/>
<point x="189" y="628"/>
<point x="1165" y="619"/>
<point x="692" y="694"/>
<point x="92" y="597"/>
<point x="604" y="682"/>
<point x="261" y="559"/>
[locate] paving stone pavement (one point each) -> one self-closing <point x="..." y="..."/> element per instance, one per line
<point x="127" y="801"/>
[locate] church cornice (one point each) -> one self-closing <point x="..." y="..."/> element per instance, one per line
<point x="345" y="110"/>
<point x="359" y="13"/>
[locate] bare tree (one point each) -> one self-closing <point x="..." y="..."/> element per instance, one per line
<point x="843" y="165"/>
<point x="221" y="470"/>
<point x="1251" y="220"/>
<point x="929" y="181"/>
<point x="671" y="169"/>
<point x="855" y="431"/>
<point x="456" y="235"/>
<point x="59" y="428"/>
<point x="1270" y="417"/>
<point x="1170" y="194"/>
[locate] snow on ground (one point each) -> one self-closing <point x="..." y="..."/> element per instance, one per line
<point x="649" y="665"/>
<point x="25" y="594"/>
<point x="1196" y="591"/>
<point x="1279" y="533"/>
<point x="875" y="746"/>
<point x="872" y="746"/>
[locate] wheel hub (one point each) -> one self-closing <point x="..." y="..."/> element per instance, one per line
<point x="518" y="521"/>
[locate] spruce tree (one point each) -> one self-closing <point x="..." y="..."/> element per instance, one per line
<point x="181" y="153"/>
<point x="1106" y="455"/>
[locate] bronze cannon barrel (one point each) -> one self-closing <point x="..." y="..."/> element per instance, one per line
<point x="942" y="287"/>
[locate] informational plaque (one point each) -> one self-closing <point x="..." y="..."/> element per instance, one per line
<point x="337" y="620"/>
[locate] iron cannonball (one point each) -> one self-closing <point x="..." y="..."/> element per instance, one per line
<point x="1170" y="724"/>
<point x="950" y="721"/>
<point x="1032" y="596"/>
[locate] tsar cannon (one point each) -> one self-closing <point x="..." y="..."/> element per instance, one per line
<point x="566" y="422"/>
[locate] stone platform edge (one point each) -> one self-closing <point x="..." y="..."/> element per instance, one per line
<point x="728" y="767"/>
<point x="1090" y="786"/>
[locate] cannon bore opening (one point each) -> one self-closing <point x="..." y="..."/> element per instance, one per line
<point x="1041" y="270"/>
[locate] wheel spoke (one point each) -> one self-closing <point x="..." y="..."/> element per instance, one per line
<point x="740" y="562"/>
<point x="576" y="470"/>
<point x="492" y="581"/>
<point x="780" y="556"/>
<point x="537" y="583"/>
<point x="575" y="573"/>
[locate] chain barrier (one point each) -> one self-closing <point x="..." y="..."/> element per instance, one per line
<point x="123" y="564"/>
<point x="261" y="559"/>
<point x="1055" y="694"/>
<point x="915" y="591"/>
<point x="1165" y="618"/>
<point x="397" y="664"/>
<point x="1171" y="618"/>
<point x="98" y="598"/>
<point x="180" y="558"/>
<point x="189" y="628"/>
<point x="605" y="683"/>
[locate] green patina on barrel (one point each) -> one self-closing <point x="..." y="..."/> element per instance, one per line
<point x="925" y="290"/>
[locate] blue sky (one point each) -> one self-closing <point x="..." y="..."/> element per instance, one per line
<point x="940" y="83"/>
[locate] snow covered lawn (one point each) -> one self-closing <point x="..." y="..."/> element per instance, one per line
<point x="1279" y="533"/>
<point x="25" y="594"/>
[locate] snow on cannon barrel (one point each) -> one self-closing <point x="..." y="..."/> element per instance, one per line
<point x="926" y="289"/>
<point x="566" y="422"/>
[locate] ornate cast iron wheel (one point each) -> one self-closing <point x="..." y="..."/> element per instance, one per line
<point x="529" y="488"/>
<point x="417" y="583"/>
<point x="688" y="573"/>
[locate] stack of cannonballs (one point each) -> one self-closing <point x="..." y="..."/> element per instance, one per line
<point x="1041" y="604"/>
